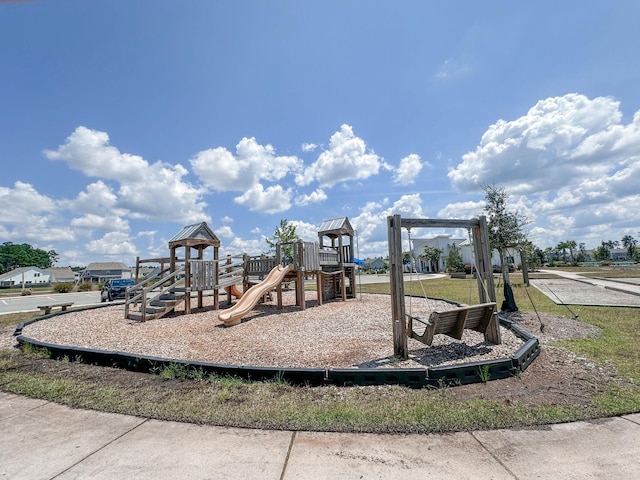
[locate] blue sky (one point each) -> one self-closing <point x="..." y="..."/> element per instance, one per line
<point x="121" y="122"/>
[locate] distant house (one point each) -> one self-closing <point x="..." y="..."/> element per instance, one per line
<point x="374" y="265"/>
<point x="444" y="242"/>
<point x="619" y="255"/>
<point x="29" y="276"/>
<point x="99" y="272"/>
<point x="61" y="275"/>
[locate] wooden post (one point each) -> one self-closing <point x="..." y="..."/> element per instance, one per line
<point x="187" y="280"/>
<point x="397" y="287"/>
<point x="200" y="293"/>
<point x="492" y="334"/>
<point x="525" y="267"/>
<point x="300" y="289"/>
<point x="319" y="286"/>
<point x="229" y="299"/>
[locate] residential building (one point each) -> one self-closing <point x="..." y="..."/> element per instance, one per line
<point x="99" y="272"/>
<point x="25" y="276"/>
<point x="444" y="242"/>
<point x="376" y="265"/>
<point x="61" y="275"/>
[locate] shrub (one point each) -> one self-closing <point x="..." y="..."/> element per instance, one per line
<point x="26" y="292"/>
<point x="85" y="287"/>
<point x="63" y="287"/>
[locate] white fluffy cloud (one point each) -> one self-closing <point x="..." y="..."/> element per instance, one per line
<point x="220" y="170"/>
<point x="559" y="139"/>
<point x="30" y="215"/>
<point x="92" y="221"/>
<point x="346" y="159"/>
<point x="462" y="210"/>
<point x="151" y="191"/>
<point x="306" y="231"/>
<point x="25" y="202"/>
<point x="408" y="170"/>
<point x="224" y="232"/>
<point x="371" y="223"/>
<point x="316" y="196"/>
<point x="97" y="198"/>
<point x="112" y="243"/>
<point x="575" y="160"/>
<point x="272" y="199"/>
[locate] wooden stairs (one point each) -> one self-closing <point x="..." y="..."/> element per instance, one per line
<point x="150" y="302"/>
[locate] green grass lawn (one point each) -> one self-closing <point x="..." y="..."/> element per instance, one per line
<point x="189" y="395"/>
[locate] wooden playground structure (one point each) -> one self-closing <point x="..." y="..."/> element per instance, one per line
<point x="481" y="317"/>
<point x="175" y="282"/>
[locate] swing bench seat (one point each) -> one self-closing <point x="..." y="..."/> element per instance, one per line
<point x="453" y="322"/>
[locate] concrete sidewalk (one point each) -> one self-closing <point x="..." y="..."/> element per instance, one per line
<point x="43" y="440"/>
<point x="613" y="284"/>
<point x="574" y="289"/>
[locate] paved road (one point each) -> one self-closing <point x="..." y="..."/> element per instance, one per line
<point x="30" y="303"/>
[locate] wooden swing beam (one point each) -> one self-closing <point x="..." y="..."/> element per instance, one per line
<point x="482" y="251"/>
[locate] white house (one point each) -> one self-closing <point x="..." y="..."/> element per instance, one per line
<point x="444" y="242"/>
<point x="29" y="276"/>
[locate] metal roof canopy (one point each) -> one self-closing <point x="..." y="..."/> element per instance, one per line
<point x="198" y="234"/>
<point x="336" y="227"/>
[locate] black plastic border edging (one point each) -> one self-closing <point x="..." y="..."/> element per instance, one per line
<point x="451" y="375"/>
<point x="147" y="364"/>
<point x="347" y="377"/>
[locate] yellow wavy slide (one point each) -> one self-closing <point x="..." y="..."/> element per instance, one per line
<point x="233" y="316"/>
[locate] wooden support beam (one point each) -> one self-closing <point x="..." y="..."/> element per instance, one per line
<point x="458" y="327"/>
<point x="397" y="287"/>
<point x="437" y="223"/>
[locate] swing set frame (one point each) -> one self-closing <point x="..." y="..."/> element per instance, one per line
<point x="489" y="324"/>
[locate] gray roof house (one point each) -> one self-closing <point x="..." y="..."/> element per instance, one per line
<point x="61" y="274"/>
<point x="98" y="272"/>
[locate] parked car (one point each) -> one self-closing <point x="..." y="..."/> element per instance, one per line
<point x="115" y="288"/>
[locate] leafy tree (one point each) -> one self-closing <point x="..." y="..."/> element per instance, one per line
<point x="535" y="256"/>
<point x="24" y="255"/>
<point x="284" y="233"/>
<point x="432" y="255"/>
<point x="550" y="254"/>
<point x="506" y="228"/>
<point x="571" y="245"/>
<point x="631" y="244"/>
<point x="454" y="259"/>
<point x="562" y="246"/>
<point x="582" y="255"/>
<point x="603" y="252"/>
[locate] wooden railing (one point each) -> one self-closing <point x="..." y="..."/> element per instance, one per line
<point x="142" y="296"/>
